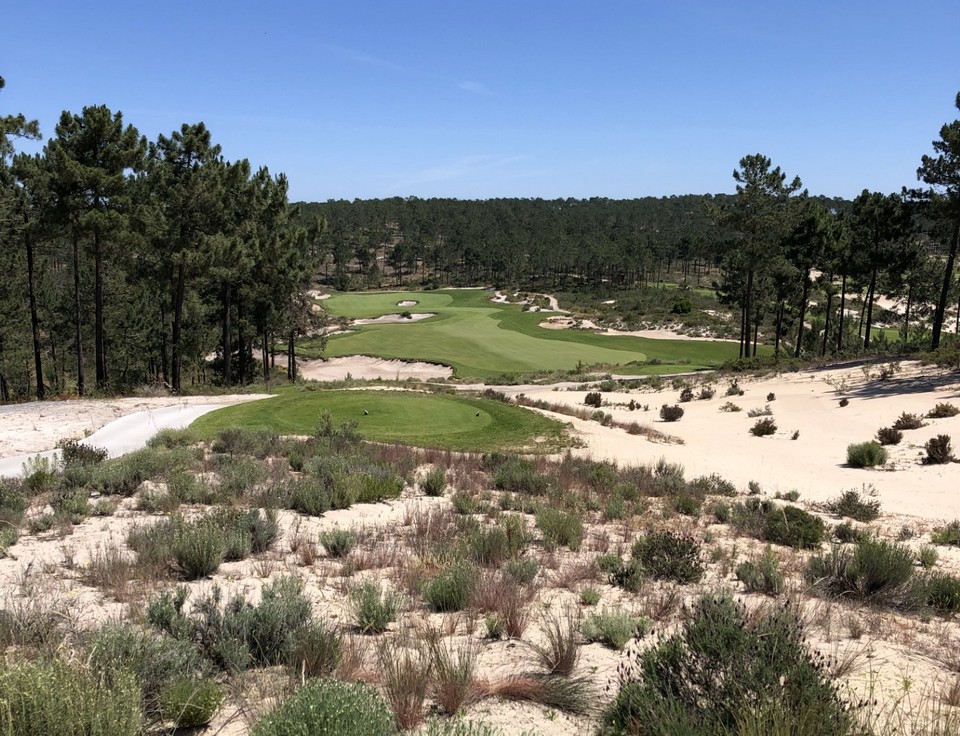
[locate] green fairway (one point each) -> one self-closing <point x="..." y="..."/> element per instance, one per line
<point x="406" y="417"/>
<point x="481" y="339"/>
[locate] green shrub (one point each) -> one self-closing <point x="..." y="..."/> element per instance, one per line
<point x="329" y="707"/>
<point x="714" y="485"/>
<point x="670" y="413"/>
<point x="589" y="597"/>
<point x="73" y="504"/>
<point x="170" y="438"/>
<point x="866" y="454"/>
<point x="724" y="665"/>
<point x="191" y="703"/>
<point x="54" y="698"/>
<point x="373" y="608"/>
<point x="338" y="542"/>
<point x="793" y="527"/>
<point x="766" y="411"/>
<point x="666" y="555"/>
<point x="39" y="474"/>
<point x="199" y="549"/>
<point x="434" y="482"/>
<point x="628" y="575"/>
<point x="729" y="406"/>
<point x="889" y="436"/>
<point x="949" y="534"/>
<point x="686" y="394"/>
<point x="734" y="389"/>
<point x="706" y="392"/>
<point x="908" y="421"/>
<point x="875" y="570"/>
<point x="520" y="476"/>
<point x="943" y="411"/>
<point x="593" y="399"/>
<point x="613" y="628"/>
<point x="464" y="503"/>
<point x="687" y="504"/>
<point x="243" y="441"/>
<point x="941" y="592"/>
<point x="523" y="570"/>
<point x="927" y="556"/>
<point x="938" y="450"/>
<point x="451" y="588"/>
<point x="494" y="545"/>
<point x="560" y="528"/>
<point x="847" y="533"/>
<point x="762" y="575"/>
<point x="763" y="427"/>
<point x="854" y="506"/>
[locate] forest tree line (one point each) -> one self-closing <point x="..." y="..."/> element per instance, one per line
<point x="131" y="262"/>
<point x="770" y="248"/>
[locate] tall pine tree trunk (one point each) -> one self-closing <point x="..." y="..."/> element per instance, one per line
<point x="803" y="313"/>
<point x="34" y="320"/>
<point x="869" y="307"/>
<point x="100" y="353"/>
<point x="291" y="357"/>
<point x="78" y="316"/>
<point x="178" y="296"/>
<point x="826" y="322"/>
<point x="843" y="309"/>
<point x="939" y="315"/>
<point x="226" y="337"/>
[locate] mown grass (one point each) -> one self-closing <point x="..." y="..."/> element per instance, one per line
<point x="404" y="417"/>
<point x="482" y="339"/>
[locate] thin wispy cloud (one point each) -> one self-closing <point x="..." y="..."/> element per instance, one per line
<point x="363" y="58"/>
<point x="459" y="169"/>
<point x="475" y="88"/>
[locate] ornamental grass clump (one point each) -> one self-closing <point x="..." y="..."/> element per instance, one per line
<point x="853" y="505"/>
<point x="667" y="555"/>
<point x="374" y="608"/>
<point x="762" y="575"/>
<point x="613" y="627"/>
<point x="451" y="588"/>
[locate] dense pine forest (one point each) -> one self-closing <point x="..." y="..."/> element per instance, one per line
<point x="130" y="262"/>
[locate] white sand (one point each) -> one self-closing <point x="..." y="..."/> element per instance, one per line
<point x="366" y="367"/>
<point x="394" y="319"/>
<point x="815" y="463"/>
<point x="568" y="323"/>
<point x="407" y="303"/>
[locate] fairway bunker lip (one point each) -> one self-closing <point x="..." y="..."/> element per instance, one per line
<point x="368" y="368"/>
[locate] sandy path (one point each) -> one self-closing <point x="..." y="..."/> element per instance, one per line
<point x="37" y="426"/>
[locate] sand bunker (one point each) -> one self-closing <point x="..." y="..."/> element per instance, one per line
<point x="394" y="319"/>
<point x="407" y="303"/>
<point x="368" y="368"/>
<point x="568" y="323"/>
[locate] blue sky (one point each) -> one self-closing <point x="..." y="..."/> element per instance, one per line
<point x="508" y="98"/>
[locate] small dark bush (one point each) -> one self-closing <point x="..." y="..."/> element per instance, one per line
<point x="938" y="450"/>
<point x="686" y="394"/>
<point x="666" y="555"/>
<point x="949" y="534"/>
<point x="854" y="506"/>
<point x="889" y="436"/>
<point x="866" y="454"/>
<point x="628" y="575"/>
<point x="434" y="482"/>
<point x="908" y="421"/>
<point x="844" y="402"/>
<point x="73" y="452"/>
<point x="943" y="411"/>
<point x="706" y="392"/>
<point x="687" y="504"/>
<point x="763" y="427"/>
<point x="771" y="397"/>
<point x="734" y="389"/>
<point x="671" y="413"/>
<point x="594" y="399"/>
<point x="847" y="533"/>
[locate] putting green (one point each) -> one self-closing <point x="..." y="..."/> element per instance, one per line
<point x="405" y="417"/>
<point x="482" y="339"/>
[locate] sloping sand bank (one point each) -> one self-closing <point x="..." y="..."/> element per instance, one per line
<point x="366" y="367"/>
